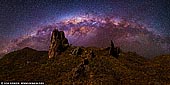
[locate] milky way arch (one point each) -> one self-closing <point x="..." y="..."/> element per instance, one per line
<point x="96" y="31"/>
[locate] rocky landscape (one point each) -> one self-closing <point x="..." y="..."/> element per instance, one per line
<point x="68" y="64"/>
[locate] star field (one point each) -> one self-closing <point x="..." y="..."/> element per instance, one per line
<point x="19" y="16"/>
<point x="22" y="19"/>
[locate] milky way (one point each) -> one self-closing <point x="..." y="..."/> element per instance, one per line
<point x="139" y="26"/>
<point x="93" y="31"/>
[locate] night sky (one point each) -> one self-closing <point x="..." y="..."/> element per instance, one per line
<point x="18" y="17"/>
<point x="135" y="25"/>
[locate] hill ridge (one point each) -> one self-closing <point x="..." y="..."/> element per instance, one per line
<point x="84" y="65"/>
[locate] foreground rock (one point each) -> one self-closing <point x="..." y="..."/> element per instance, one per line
<point x="77" y="51"/>
<point x="58" y="43"/>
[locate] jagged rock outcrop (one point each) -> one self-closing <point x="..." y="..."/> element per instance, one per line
<point x="114" y="51"/>
<point x="58" y="43"/>
<point x="111" y="50"/>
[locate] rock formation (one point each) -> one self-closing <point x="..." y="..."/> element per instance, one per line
<point x="58" y="43"/>
<point x="114" y="51"/>
<point x="77" y="51"/>
<point x="111" y="50"/>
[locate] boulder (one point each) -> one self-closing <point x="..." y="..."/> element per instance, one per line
<point x="77" y="51"/>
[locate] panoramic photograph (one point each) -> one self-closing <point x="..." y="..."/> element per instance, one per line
<point x="85" y="42"/>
